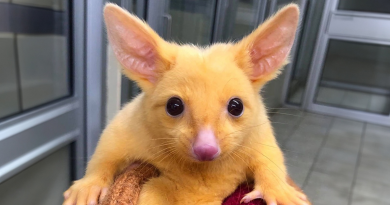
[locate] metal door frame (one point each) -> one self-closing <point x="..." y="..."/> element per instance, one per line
<point x="96" y="72"/>
<point x="37" y="133"/>
<point x="303" y="5"/>
<point x="125" y="82"/>
<point x="158" y="17"/>
<point x="317" y="65"/>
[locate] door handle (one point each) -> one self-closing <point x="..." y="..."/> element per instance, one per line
<point x="168" y="25"/>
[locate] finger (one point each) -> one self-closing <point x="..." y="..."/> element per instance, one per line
<point x="302" y="196"/>
<point x="71" y="199"/>
<point x="67" y="194"/>
<point x="93" y="195"/>
<point x="103" y="194"/>
<point x="299" y="201"/>
<point x="82" y="197"/>
<point x="255" y="194"/>
<point x="270" y="200"/>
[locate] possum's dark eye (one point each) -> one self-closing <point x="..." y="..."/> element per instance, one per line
<point x="175" y="106"/>
<point x="235" y="107"/>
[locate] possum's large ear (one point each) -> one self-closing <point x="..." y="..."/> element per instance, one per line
<point x="137" y="47"/>
<point x="263" y="52"/>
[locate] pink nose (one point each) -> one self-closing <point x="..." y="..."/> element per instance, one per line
<point x="205" y="147"/>
<point x="206" y="152"/>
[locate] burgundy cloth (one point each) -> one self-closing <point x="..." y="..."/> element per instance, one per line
<point x="235" y="198"/>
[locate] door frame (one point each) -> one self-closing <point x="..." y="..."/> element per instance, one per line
<point x="299" y="38"/>
<point x="158" y="17"/>
<point x="318" y="62"/>
<point x="35" y="134"/>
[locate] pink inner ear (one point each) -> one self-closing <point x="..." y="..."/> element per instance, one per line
<point x="270" y="51"/>
<point x="132" y="45"/>
<point x="141" y="63"/>
<point x="265" y="61"/>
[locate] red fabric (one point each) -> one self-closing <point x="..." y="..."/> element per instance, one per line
<point x="235" y="198"/>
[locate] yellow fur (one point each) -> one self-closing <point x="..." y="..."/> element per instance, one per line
<point x="205" y="79"/>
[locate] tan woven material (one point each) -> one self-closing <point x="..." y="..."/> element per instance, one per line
<point x="127" y="186"/>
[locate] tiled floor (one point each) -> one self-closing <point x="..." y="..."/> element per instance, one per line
<point x="336" y="161"/>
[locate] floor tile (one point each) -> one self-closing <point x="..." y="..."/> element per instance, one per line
<point x="374" y="169"/>
<point x="378" y="129"/>
<point x="284" y="122"/>
<point x="316" y="119"/>
<point x="360" y="199"/>
<point x="302" y="149"/>
<point x="283" y="131"/>
<point x="345" y="135"/>
<point x="336" y="162"/>
<point x="298" y="170"/>
<point x="312" y="130"/>
<point x="372" y="190"/>
<point x="327" y="189"/>
<point x="377" y="141"/>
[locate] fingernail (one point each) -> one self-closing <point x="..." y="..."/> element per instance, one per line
<point x="244" y="200"/>
<point x="92" y="203"/>
<point x="247" y="200"/>
<point x="66" y="195"/>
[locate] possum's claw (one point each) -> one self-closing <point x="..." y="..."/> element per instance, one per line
<point x="255" y="194"/>
<point x="270" y="199"/>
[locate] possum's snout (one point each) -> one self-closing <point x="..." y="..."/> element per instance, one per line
<point x="205" y="146"/>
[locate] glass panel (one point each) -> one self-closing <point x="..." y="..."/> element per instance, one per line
<point x="192" y="20"/>
<point x="50" y="4"/>
<point x="356" y="76"/>
<point x="376" y="6"/>
<point x="240" y="20"/>
<point x="34" y="53"/>
<point x="272" y="91"/>
<point x="44" y="74"/>
<point x="128" y="88"/>
<point x="9" y="99"/>
<point x="305" y="51"/>
<point x="42" y="183"/>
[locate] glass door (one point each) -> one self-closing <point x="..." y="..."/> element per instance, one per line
<point x="120" y="89"/>
<point x="237" y="18"/>
<point x="350" y="69"/>
<point x="183" y="21"/>
<point x="203" y="22"/>
<point x="41" y="99"/>
<point x="208" y="21"/>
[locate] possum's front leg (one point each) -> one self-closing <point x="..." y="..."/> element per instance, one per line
<point x="157" y="191"/>
<point x="117" y="147"/>
<point x="270" y="174"/>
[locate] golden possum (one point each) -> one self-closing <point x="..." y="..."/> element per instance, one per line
<point x="199" y="120"/>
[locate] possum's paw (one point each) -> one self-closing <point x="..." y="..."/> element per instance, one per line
<point x="86" y="191"/>
<point x="282" y="195"/>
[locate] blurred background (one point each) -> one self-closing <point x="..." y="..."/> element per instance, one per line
<point x="60" y="84"/>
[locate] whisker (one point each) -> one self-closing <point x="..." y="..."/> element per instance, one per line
<point x="250" y="127"/>
<point x="276" y="147"/>
<point x="262" y="155"/>
<point x="285" y="114"/>
<point x="267" y="167"/>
